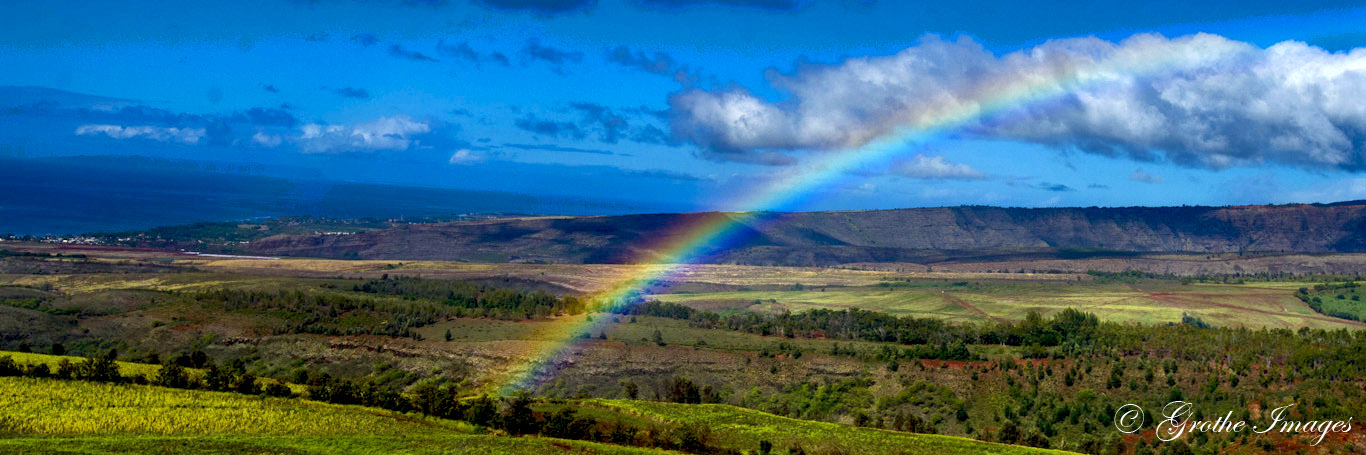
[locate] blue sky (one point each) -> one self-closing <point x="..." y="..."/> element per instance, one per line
<point x="683" y="104"/>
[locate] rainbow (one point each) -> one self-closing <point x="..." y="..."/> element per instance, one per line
<point x="686" y="244"/>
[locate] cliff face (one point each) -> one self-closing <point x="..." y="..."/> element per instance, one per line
<point x="824" y="238"/>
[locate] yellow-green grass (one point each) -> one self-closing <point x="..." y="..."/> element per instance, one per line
<point x="416" y="444"/>
<point x="921" y="302"/>
<point x="185" y="281"/>
<point x="743" y="429"/>
<point x="125" y="368"/>
<point x="1255" y="306"/>
<point x="55" y="416"/>
<point x="146" y="370"/>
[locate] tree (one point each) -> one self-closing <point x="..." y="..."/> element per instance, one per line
<point x="1177" y="447"/>
<point x="448" y="334"/>
<point x="220" y="379"/>
<point x="630" y="389"/>
<point x="682" y="390"/>
<point x="558" y="424"/>
<point x="277" y="389"/>
<point x="100" y="368"/>
<point x="1009" y="433"/>
<point x="58" y="349"/>
<point x="9" y="368"/>
<point x="516" y="417"/>
<point x="658" y="337"/>
<point x="481" y="411"/>
<point x="693" y="437"/>
<point x="198" y="359"/>
<point x="172" y="375"/>
<point x="246" y="384"/>
<point x="38" y="370"/>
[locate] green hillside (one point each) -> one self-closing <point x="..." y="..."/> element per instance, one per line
<point x="745" y="429"/>
<point x="40" y="415"/>
<point x="56" y="416"/>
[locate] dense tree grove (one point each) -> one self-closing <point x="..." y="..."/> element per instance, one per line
<point x="389" y="306"/>
<point x="1330" y="354"/>
<point x="479" y="300"/>
<point x="330" y="313"/>
<point x="1071" y="330"/>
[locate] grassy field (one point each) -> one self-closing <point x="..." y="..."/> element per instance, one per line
<point x="54" y="416"/>
<point x="950" y="295"/>
<point x="743" y="429"/>
<point x="415" y="444"/>
<point x="1255" y="305"/>
<point x="112" y="302"/>
<point x="125" y="368"/>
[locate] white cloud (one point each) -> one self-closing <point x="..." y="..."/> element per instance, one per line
<point x="385" y="133"/>
<point x="156" y="133"/>
<point x="1140" y="175"/>
<point x="466" y="156"/>
<point x="1199" y="100"/>
<point x="266" y="140"/>
<point x="937" y="168"/>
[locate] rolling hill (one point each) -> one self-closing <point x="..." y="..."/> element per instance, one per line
<point x="921" y="235"/>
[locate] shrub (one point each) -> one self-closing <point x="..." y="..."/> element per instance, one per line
<point x="8" y="367"/>
<point x="276" y="389"/>
<point x="172" y="375"/>
<point x="246" y="384"/>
